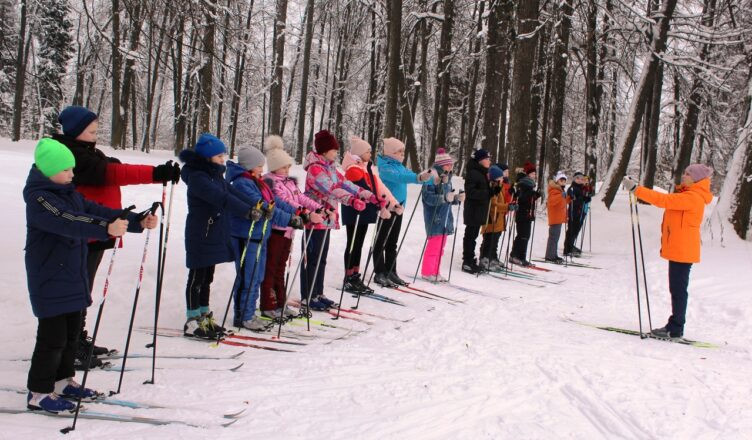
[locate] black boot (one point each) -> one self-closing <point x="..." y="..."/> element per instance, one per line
<point x="351" y="285"/>
<point x="471" y="267"/>
<point x="84" y="342"/>
<point x="383" y="280"/>
<point x="364" y="290"/>
<point x="396" y="279"/>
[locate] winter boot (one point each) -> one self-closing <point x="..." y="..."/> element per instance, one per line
<point x="197" y="328"/>
<point x="351" y="285"/>
<point x="664" y="333"/>
<point x="48" y="402"/>
<point x="289" y="313"/>
<point x="518" y="262"/>
<point x="82" y="360"/>
<point x="329" y="303"/>
<point x="208" y="318"/>
<point x="70" y="389"/>
<point x="495" y="266"/>
<point x="430" y="278"/>
<point x="364" y="290"/>
<point x="255" y="324"/>
<point x="471" y="267"/>
<point x="393" y="277"/>
<point x="84" y="342"/>
<point x="484" y="263"/>
<point x="315" y="304"/>
<point x="272" y="314"/>
<point x="555" y="260"/>
<point x="383" y="280"/>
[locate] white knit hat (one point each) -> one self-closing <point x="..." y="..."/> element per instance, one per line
<point x="250" y="157"/>
<point x="358" y="146"/>
<point x="560" y="175"/>
<point x="392" y="146"/>
<point x="276" y="156"/>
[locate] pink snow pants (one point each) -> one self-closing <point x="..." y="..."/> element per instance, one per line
<point x="432" y="256"/>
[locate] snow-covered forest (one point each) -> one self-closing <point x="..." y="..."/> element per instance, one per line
<point x="613" y="87"/>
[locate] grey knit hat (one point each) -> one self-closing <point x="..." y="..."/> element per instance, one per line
<point x="250" y="157"/>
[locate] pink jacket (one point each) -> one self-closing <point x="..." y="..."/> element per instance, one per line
<point x="327" y="186"/>
<point x="381" y="190"/>
<point x="286" y="188"/>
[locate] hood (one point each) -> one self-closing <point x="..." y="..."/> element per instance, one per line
<point x="313" y="158"/>
<point x="554" y="187"/>
<point x="73" y="142"/>
<point x="277" y="178"/>
<point x="526" y="181"/>
<point x="194" y="162"/>
<point x="703" y="189"/>
<point x="475" y="165"/>
<point x="234" y="170"/>
<point x="37" y="181"/>
<point x="387" y="160"/>
<point x="351" y="160"/>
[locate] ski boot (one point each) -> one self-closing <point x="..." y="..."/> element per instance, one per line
<point x="383" y="280"/>
<point x="393" y="277"/>
<point x="72" y="390"/>
<point x="50" y="402"/>
<point x="197" y="328"/>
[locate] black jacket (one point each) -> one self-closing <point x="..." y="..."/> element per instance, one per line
<point x="477" y="194"/>
<point x="579" y="197"/>
<point x="526" y="198"/>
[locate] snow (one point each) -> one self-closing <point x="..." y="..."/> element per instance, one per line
<point x="502" y="365"/>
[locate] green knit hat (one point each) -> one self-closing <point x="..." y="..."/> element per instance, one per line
<point x="51" y="157"/>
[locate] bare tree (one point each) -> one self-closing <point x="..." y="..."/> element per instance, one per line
<point x="275" y="90"/>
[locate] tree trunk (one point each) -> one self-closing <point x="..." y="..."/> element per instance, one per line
<point x="275" y="90"/>
<point x="394" y="14"/>
<point x="300" y="146"/>
<point x="541" y="64"/>
<point x="469" y="139"/>
<point x="559" y="86"/>
<point x="495" y="64"/>
<point x="20" y="73"/>
<point x="443" y="77"/>
<point x="116" y="125"/>
<point x="222" y="69"/>
<point x="651" y="129"/>
<point x="238" y="81"/>
<point x="522" y="74"/>
<point x="128" y="72"/>
<point x="594" y="76"/>
<point x="206" y="72"/>
<point x="658" y="45"/>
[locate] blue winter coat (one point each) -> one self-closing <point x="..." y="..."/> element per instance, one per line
<point x="211" y="200"/>
<point x="59" y="222"/>
<point x="396" y="177"/>
<point x="240" y="224"/>
<point x="437" y="212"/>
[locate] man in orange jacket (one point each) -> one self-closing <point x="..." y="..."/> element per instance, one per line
<point x="680" y="236"/>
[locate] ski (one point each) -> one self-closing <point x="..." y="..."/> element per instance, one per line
<point x="116" y="368"/>
<point x="380" y="297"/>
<point x="359" y="312"/>
<point x="259" y="347"/>
<point x="111" y="417"/>
<point x="230" y="334"/>
<point x="648" y="335"/>
<point x="345" y="316"/>
<point x="514" y="280"/>
<point x="586" y="266"/>
<point x="517" y="276"/>
<point x="128" y="403"/>
<point x="171" y="334"/>
<point x="475" y="292"/>
<point x="180" y="356"/>
<point x="432" y="294"/>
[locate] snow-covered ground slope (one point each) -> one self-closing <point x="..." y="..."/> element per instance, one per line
<point x="503" y="364"/>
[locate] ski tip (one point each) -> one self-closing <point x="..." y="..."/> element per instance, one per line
<point x="234" y="369"/>
<point x="234" y="415"/>
<point x="237" y="355"/>
<point x="226" y="424"/>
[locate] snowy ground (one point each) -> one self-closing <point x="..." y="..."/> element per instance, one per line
<point x="502" y="365"/>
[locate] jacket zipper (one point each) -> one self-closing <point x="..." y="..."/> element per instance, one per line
<point x="209" y="224"/>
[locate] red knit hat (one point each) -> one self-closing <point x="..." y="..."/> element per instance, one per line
<point x="323" y="141"/>
<point x="528" y="168"/>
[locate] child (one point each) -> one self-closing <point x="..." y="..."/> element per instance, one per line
<point x="475" y="213"/>
<point x="579" y="194"/>
<point x="526" y="198"/>
<point x="395" y="177"/>
<point x="496" y="219"/>
<point x="211" y="200"/>
<point x="327" y="187"/>
<point x="99" y="178"/>
<point x="59" y="221"/>
<point x="680" y="236"/>
<point x="285" y="188"/>
<point x="438" y="198"/>
<point x="557" y="215"/>
<point x="245" y="177"/>
<point x="359" y="170"/>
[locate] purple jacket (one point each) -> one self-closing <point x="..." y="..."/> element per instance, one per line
<point x="286" y="189"/>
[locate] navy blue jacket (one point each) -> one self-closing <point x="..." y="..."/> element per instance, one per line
<point x="59" y="222"/>
<point x="211" y="201"/>
<point x="240" y="225"/>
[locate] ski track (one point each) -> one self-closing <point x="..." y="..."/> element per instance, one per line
<point x="481" y="369"/>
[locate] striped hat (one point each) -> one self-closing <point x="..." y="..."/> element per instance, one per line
<point x="443" y="158"/>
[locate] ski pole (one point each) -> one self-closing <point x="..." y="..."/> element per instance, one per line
<point x="306" y="235"/>
<point x="590" y="238"/>
<point x="313" y="282"/>
<point x="160" y="275"/>
<point x="513" y="227"/>
<point x="488" y="216"/>
<point x="454" y="239"/>
<point x="379" y="222"/>
<point x="379" y="227"/>
<point x="634" y="254"/>
<point x="242" y="268"/>
<point x="404" y="235"/>
<point x="150" y="211"/>
<point x="642" y="259"/>
<point x="347" y="267"/>
<point x="433" y="217"/>
<point x="122" y="216"/>
<point x="532" y="236"/>
<point x="270" y="210"/>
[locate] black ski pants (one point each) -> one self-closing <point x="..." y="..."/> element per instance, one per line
<point x="385" y="248"/>
<point x="54" y="352"/>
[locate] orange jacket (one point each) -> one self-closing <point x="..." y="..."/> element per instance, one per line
<point x="497" y="214"/>
<point x="680" y="231"/>
<point x="557" y="204"/>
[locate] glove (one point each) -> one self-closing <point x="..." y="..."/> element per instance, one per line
<point x="513" y="207"/>
<point x="398" y="209"/>
<point x="315" y="217"/>
<point x="364" y="194"/>
<point x="385" y="214"/>
<point x="296" y="222"/>
<point x="496" y="190"/>
<point x="629" y="183"/>
<point x="461" y="197"/>
<point x="167" y="172"/>
<point x="373" y="200"/>
<point x="445" y="178"/>
<point x="449" y="197"/>
<point x="434" y="175"/>
<point x="254" y="214"/>
<point x="269" y="213"/>
<point x="358" y="204"/>
<point x="331" y="214"/>
<point x="425" y="175"/>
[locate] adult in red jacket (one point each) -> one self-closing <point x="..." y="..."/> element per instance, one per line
<point x="99" y="178"/>
<point x="680" y="236"/>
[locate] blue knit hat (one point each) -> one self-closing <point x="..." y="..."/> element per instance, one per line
<point x="209" y="145"/>
<point x="75" y="119"/>
<point x="480" y="154"/>
<point x="495" y="172"/>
